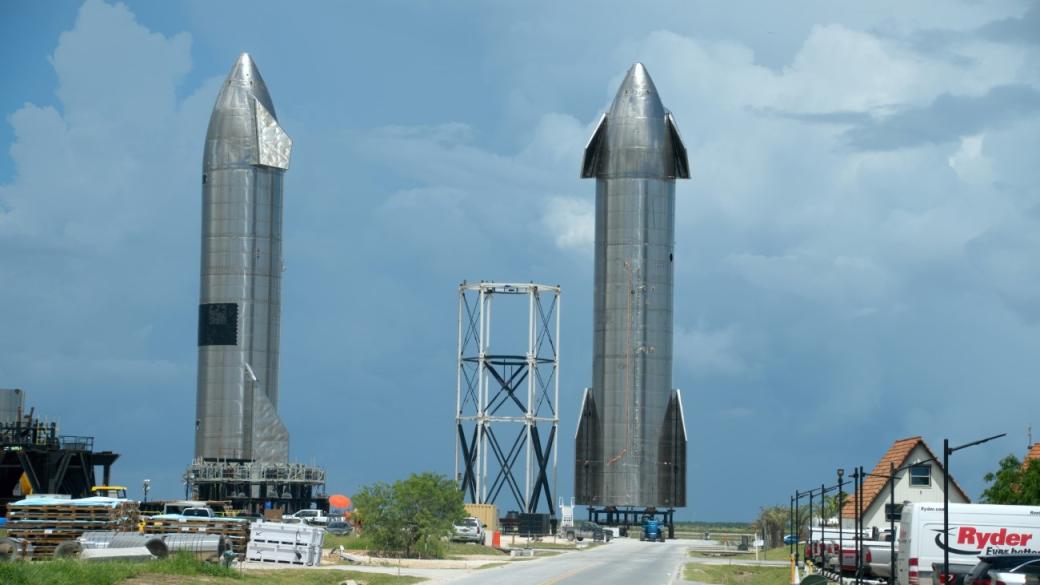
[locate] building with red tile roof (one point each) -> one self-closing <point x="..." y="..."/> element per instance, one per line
<point x="917" y="483"/>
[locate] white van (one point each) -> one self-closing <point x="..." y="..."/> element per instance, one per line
<point x="975" y="529"/>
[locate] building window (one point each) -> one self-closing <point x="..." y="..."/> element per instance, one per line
<point x="893" y="512"/>
<point x="921" y="476"/>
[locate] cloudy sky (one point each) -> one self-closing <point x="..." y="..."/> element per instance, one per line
<point x="856" y="251"/>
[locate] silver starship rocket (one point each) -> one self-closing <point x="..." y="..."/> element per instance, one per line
<point x="631" y="439"/>
<point x="245" y="159"/>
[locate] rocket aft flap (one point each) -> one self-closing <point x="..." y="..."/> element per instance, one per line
<point x="631" y="439"/>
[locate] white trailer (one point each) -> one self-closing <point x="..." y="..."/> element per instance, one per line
<point x="975" y="529"/>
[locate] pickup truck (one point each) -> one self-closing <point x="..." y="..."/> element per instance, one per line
<point x="198" y="512"/>
<point x="867" y="551"/>
<point x="468" y="530"/>
<point x="313" y="517"/>
<point x="879" y="558"/>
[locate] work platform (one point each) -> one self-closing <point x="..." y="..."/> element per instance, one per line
<point x="35" y="458"/>
<point x="254" y="487"/>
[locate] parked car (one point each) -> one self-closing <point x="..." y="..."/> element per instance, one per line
<point x="468" y="530"/>
<point x="585" y="529"/>
<point x="1008" y="569"/>
<point x="339" y="528"/>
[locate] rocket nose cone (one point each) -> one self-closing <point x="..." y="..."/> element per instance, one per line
<point x="638" y="76"/>
<point x="637" y="95"/>
<point x="244" y="71"/>
<point x="245" y="74"/>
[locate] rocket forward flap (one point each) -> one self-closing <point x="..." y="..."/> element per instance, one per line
<point x="682" y="162"/>
<point x="590" y="164"/>
<point x="671" y="451"/>
<point x="588" y="463"/>
<point x="273" y="144"/>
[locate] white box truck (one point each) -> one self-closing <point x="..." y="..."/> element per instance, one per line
<point x="975" y="529"/>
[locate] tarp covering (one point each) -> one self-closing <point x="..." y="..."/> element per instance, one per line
<point x="92" y="501"/>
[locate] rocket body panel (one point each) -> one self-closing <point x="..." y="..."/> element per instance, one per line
<point x="240" y="293"/>
<point x="635" y="155"/>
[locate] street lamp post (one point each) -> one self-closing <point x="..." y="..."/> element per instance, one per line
<point x="809" y="536"/>
<point x="892" y="521"/>
<point x="859" y="531"/>
<point x="797" y="522"/>
<point x="857" y="478"/>
<point x="823" y="514"/>
<point x="790" y="523"/>
<point x="947" y="451"/>
<point x="841" y="532"/>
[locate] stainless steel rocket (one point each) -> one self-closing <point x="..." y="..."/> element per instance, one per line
<point x="246" y="156"/>
<point x="631" y="438"/>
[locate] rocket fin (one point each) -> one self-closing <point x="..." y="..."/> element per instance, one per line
<point x="682" y="162"/>
<point x="672" y="452"/>
<point x="588" y="465"/>
<point x="270" y="437"/>
<point x="590" y="165"/>
<point x="267" y="439"/>
<point x="273" y="144"/>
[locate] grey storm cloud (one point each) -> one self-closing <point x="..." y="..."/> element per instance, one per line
<point x="1024" y="30"/>
<point x="946" y="119"/>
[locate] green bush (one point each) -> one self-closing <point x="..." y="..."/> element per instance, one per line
<point x="410" y="517"/>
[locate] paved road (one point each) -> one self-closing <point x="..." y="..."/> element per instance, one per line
<point x="622" y="562"/>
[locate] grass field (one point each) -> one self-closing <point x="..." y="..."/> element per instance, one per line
<point x="736" y="575"/>
<point x="781" y="553"/>
<point x="349" y="542"/>
<point x="703" y="527"/>
<point x="175" y="570"/>
<point x="451" y="549"/>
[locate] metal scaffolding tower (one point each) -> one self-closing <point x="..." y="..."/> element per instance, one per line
<point x="506" y="403"/>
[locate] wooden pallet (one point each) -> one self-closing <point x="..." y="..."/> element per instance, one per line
<point x="235" y="532"/>
<point x="47" y="526"/>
